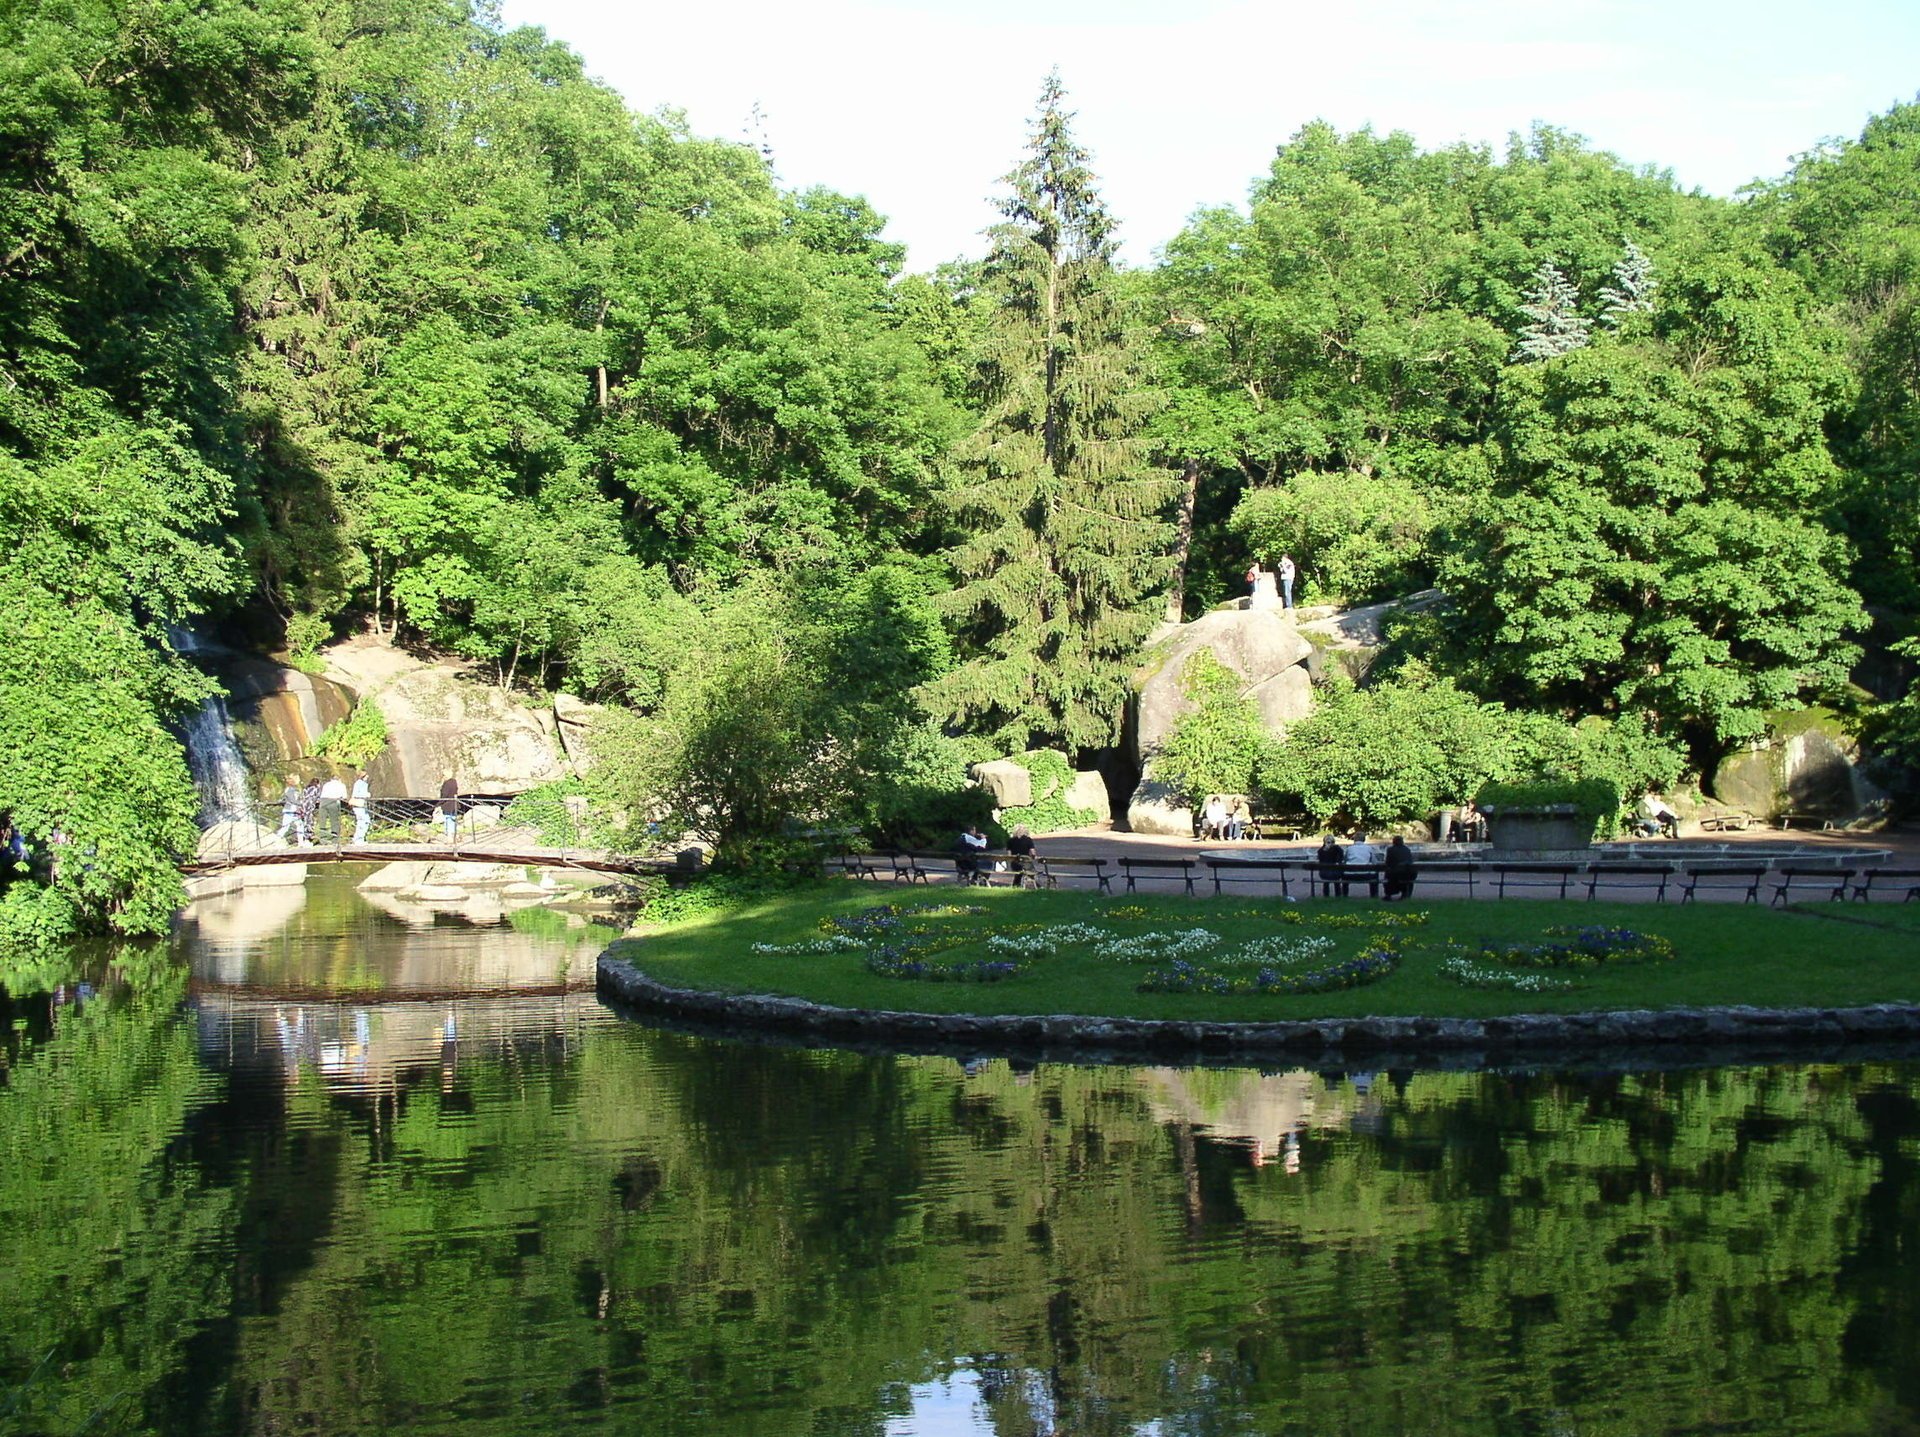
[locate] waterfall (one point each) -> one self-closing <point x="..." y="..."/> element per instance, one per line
<point x="218" y="770"/>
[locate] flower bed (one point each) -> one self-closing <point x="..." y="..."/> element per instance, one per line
<point x="1356" y="972"/>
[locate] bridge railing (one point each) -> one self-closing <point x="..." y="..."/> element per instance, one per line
<point x="476" y="825"/>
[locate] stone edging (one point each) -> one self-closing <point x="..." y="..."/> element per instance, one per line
<point x="1519" y="1033"/>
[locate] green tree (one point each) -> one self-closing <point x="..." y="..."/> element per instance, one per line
<point x="1061" y="513"/>
<point x="1650" y="541"/>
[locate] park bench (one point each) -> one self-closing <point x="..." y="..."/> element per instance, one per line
<point x="1727" y="823"/>
<point x="858" y="865"/>
<point x="1241" y="870"/>
<point x="1710" y="876"/>
<point x="1884" y="880"/>
<point x="1534" y="875"/>
<point x="1052" y="870"/>
<point x="1805" y="820"/>
<point x="1833" y="880"/>
<point x="1630" y="875"/>
<point x="1171" y="869"/>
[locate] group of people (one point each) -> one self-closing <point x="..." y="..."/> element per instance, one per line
<point x="1260" y="583"/>
<point x="312" y="812"/>
<point x="1394" y="869"/>
<point x="1222" y="817"/>
<point x="970" y="848"/>
<point x="315" y="812"/>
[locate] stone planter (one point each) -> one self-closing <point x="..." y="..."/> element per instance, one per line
<point x="1550" y="828"/>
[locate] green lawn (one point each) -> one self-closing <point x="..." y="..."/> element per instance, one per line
<point x="1828" y="955"/>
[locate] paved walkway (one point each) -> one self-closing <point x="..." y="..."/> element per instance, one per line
<point x="1901" y="849"/>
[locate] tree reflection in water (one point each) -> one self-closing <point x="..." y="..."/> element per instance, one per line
<point x="513" y="1212"/>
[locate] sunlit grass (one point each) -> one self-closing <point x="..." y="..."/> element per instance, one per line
<point x="1824" y="956"/>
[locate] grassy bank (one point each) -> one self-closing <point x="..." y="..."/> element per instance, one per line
<point x="1104" y="949"/>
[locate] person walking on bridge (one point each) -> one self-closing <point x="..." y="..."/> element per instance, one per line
<point x="449" y="806"/>
<point x="290" y="815"/>
<point x="360" y="800"/>
<point x="332" y="794"/>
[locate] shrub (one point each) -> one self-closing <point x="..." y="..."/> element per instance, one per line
<point x="1218" y="746"/>
<point x="355" y="740"/>
<point x="305" y="634"/>
<point x="1353" y="536"/>
<point x="1595" y="799"/>
<point x="1386" y="754"/>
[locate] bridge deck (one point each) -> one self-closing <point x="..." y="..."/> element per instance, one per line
<point x="529" y="855"/>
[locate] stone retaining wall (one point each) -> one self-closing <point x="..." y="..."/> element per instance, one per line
<point x="1521" y="1034"/>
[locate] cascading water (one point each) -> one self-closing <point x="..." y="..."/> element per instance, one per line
<point x="219" y="772"/>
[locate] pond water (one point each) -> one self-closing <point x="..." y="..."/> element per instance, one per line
<point x="327" y="1168"/>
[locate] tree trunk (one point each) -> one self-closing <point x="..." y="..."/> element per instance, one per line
<point x="1183" y="545"/>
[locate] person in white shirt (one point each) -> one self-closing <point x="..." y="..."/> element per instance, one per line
<point x="1361" y="853"/>
<point x="361" y="802"/>
<point x="332" y="794"/>
<point x="1213" y="821"/>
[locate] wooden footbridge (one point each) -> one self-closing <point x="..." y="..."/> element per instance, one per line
<point x="404" y="831"/>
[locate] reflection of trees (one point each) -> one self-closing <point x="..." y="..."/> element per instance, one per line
<point x="707" y="1237"/>
<point x="109" y="1246"/>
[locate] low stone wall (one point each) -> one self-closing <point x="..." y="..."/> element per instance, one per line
<point x="1524" y="1035"/>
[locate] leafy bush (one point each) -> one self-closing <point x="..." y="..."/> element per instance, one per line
<point x="306" y="632"/>
<point x="544" y="809"/>
<point x="920" y="795"/>
<point x="1218" y="746"/>
<point x="1595" y="799"/>
<point x="357" y="739"/>
<point x="1390" y="753"/>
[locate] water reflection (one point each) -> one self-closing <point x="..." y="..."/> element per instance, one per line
<point x="306" y="1181"/>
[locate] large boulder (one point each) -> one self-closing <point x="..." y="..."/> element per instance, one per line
<point x="1809" y="765"/>
<point x="1156" y="808"/>
<point x="444" y="719"/>
<point x="1088" y="792"/>
<point x="278" y="712"/>
<point x="1259" y="645"/>
<point x="1009" y="783"/>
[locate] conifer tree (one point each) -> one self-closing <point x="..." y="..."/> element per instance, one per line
<point x="1557" y="327"/>
<point x="1632" y="289"/>
<point x="1064" y="517"/>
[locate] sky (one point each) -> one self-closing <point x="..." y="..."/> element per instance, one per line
<point x="923" y="105"/>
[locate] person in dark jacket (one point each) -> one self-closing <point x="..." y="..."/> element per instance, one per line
<point x="1332" y="859"/>
<point x="1399" y="870"/>
<point x="449" y="806"/>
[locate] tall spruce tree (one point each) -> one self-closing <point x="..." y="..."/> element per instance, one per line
<point x="1555" y="325"/>
<point x="1064" y="516"/>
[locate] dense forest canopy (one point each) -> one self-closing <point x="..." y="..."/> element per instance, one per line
<point x="320" y="316"/>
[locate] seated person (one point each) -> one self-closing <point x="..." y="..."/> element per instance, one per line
<point x="1362" y="854"/>
<point x="1400" y="869"/>
<point x="1238" y="818"/>
<point x="1655" y="816"/>
<point x="966" y="853"/>
<point x="1332" y="861"/>
<point x="1213" y="819"/>
<point x="1020" y="846"/>
<point x="1471" y="825"/>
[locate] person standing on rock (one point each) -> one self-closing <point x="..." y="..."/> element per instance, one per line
<point x="360" y="800"/>
<point x="333" y="793"/>
<point x="449" y="806"/>
<point x="1286" y="581"/>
